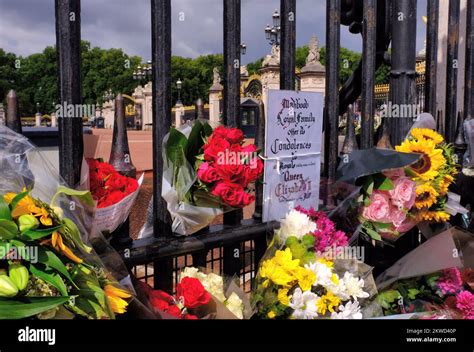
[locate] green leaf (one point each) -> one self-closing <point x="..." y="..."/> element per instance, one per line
<point x="51" y="277"/>
<point x="31" y="235"/>
<point x="4" y="210"/>
<point x="382" y="225"/>
<point x="84" y="196"/>
<point x="195" y="142"/>
<point x="207" y="129"/>
<point x="74" y="233"/>
<point x="175" y="146"/>
<point x="412" y="292"/>
<point x="373" y="234"/>
<point x="47" y="257"/>
<point x="386" y="298"/>
<point x="384" y="184"/>
<point x="8" y="229"/>
<point x="368" y="186"/>
<point x="17" y="199"/>
<point x="14" y="309"/>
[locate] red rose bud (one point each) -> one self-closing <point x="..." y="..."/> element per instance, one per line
<point x="192" y="292"/>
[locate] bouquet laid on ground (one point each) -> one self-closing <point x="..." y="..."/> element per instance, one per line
<point x="114" y="194"/>
<point x="308" y="272"/>
<point x="200" y="295"/>
<point x="207" y="172"/>
<point x="394" y="201"/>
<point x="46" y="270"/>
<point x="435" y="280"/>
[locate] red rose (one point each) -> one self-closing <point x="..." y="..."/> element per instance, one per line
<point x="193" y="293"/>
<point x="220" y="132"/>
<point x="215" y="146"/>
<point x="190" y="317"/>
<point x="233" y="173"/>
<point x="249" y="149"/>
<point x="207" y="174"/>
<point x="248" y="199"/>
<point x="231" y="194"/>
<point x="235" y="135"/>
<point x="160" y="299"/>
<point x="253" y="171"/>
<point x="174" y="311"/>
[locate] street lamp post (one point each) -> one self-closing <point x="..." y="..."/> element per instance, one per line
<point x="272" y="34"/>
<point x="179" y="85"/>
<point x="143" y="72"/>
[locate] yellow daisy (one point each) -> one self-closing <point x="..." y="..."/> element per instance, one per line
<point x="427" y="134"/>
<point x="427" y="168"/>
<point x="425" y="196"/>
<point x="283" y="297"/>
<point x="433" y="216"/>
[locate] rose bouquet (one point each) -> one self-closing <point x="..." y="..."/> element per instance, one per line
<point x="200" y="296"/>
<point x="207" y="172"/>
<point x="114" y="195"/>
<point x="46" y="270"/>
<point x="303" y="274"/>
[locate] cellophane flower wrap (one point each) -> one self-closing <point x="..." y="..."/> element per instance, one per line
<point x="310" y="272"/>
<point x="113" y="193"/>
<point x="201" y="294"/>
<point x="434" y="281"/>
<point x="207" y="172"/>
<point x="48" y="268"/>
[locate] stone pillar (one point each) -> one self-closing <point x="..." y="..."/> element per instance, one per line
<point x="215" y="93"/>
<point x="54" y="120"/>
<point x="178" y="114"/>
<point x="38" y="119"/>
<point x="270" y="78"/>
<point x="313" y="74"/>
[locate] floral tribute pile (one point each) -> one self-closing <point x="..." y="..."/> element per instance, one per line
<point x="299" y="277"/>
<point x="228" y="168"/>
<point x="396" y="200"/>
<point x="107" y="185"/>
<point x="445" y="294"/>
<point x="198" y="296"/>
<point x="46" y="270"/>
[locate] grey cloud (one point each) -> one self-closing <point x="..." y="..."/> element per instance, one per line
<point x="27" y="26"/>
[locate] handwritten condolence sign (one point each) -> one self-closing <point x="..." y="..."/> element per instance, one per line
<point x="293" y="151"/>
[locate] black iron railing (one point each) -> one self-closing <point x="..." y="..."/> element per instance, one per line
<point x="236" y="247"/>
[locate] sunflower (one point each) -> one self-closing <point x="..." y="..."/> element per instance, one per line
<point x="433" y="216"/>
<point x="116" y="299"/>
<point x="427" y="134"/>
<point x="427" y="168"/>
<point x="425" y="196"/>
<point x="444" y="184"/>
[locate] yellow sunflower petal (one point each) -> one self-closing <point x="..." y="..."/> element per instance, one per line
<point x="425" y="196"/>
<point x="427" y="134"/>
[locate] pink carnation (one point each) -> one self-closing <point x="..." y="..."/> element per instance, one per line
<point x="465" y="303"/>
<point x="450" y="282"/>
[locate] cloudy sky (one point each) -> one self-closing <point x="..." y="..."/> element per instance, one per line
<point x="27" y="26"/>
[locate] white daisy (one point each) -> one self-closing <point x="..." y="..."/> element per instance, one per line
<point x="304" y="304"/>
<point x="349" y="311"/>
<point x="296" y="224"/>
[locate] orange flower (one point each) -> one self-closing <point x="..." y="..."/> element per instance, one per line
<point x="57" y="243"/>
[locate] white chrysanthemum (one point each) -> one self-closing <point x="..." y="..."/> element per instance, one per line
<point x="323" y="273"/>
<point x="296" y="224"/>
<point x="351" y="310"/>
<point x="189" y="272"/>
<point x="354" y="286"/>
<point x="235" y="305"/>
<point x="304" y="304"/>
<point x="214" y="284"/>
